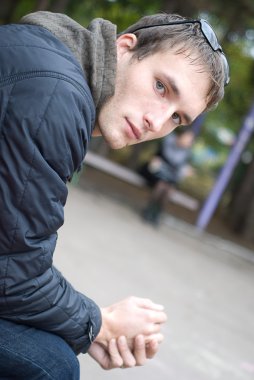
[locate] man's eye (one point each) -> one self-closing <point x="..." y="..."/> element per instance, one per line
<point x="176" y="118"/>
<point x="160" y="87"/>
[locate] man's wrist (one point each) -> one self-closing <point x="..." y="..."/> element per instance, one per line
<point x="104" y="335"/>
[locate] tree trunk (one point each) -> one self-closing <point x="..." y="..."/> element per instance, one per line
<point x="249" y="226"/>
<point x="59" y="6"/>
<point x="242" y="207"/>
<point x="7" y="9"/>
<point x="42" y="5"/>
<point x="184" y="8"/>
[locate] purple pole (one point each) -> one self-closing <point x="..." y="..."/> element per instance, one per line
<point x="197" y="124"/>
<point x="225" y="174"/>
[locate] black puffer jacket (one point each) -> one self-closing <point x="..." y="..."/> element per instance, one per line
<point x="46" y="117"/>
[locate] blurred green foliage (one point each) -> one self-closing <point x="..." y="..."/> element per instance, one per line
<point x="122" y="12"/>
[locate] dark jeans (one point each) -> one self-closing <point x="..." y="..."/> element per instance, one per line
<point x="30" y="354"/>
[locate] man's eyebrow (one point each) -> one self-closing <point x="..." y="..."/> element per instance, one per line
<point x="173" y="85"/>
<point x="188" y="119"/>
<point x="177" y="93"/>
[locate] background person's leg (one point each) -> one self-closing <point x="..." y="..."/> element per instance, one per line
<point x="156" y="203"/>
<point x="29" y="353"/>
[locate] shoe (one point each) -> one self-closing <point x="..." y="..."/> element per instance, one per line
<point x="151" y="214"/>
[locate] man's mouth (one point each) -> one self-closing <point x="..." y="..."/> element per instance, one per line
<point x="134" y="130"/>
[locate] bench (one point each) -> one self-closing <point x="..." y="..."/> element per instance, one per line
<point x="125" y="174"/>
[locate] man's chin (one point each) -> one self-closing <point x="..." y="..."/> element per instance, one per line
<point x="117" y="145"/>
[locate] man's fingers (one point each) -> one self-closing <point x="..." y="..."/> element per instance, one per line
<point x="146" y="303"/>
<point x="157" y="316"/>
<point x="116" y="360"/>
<point x="157" y="337"/>
<point x="151" y="349"/>
<point x="152" y="328"/>
<point x="139" y="350"/>
<point x="126" y="354"/>
<point x="100" y="355"/>
<point x="154" y="323"/>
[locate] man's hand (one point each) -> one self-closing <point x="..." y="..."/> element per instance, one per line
<point x="119" y="355"/>
<point x="131" y="317"/>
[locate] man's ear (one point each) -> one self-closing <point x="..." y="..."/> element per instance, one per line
<point x="125" y="43"/>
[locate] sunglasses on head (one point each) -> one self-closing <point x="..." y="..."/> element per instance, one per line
<point x="209" y="35"/>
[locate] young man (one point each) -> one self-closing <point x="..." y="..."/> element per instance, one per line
<point x="60" y="85"/>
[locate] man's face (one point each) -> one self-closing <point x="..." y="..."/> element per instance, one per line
<point x="152" y="96"/>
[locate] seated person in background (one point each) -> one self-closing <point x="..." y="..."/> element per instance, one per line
<point x="165" y="170"/>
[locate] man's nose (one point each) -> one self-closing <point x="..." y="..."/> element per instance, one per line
<point x="158" y="118"/>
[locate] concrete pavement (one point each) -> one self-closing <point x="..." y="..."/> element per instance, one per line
<point x="107" y="252"/>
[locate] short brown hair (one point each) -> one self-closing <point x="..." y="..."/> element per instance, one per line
<point x="184" y="38"/>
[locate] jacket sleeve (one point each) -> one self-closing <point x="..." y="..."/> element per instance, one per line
<point x="45" y="127"/>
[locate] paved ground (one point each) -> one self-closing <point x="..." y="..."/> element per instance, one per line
<point x="206" y="285"/>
